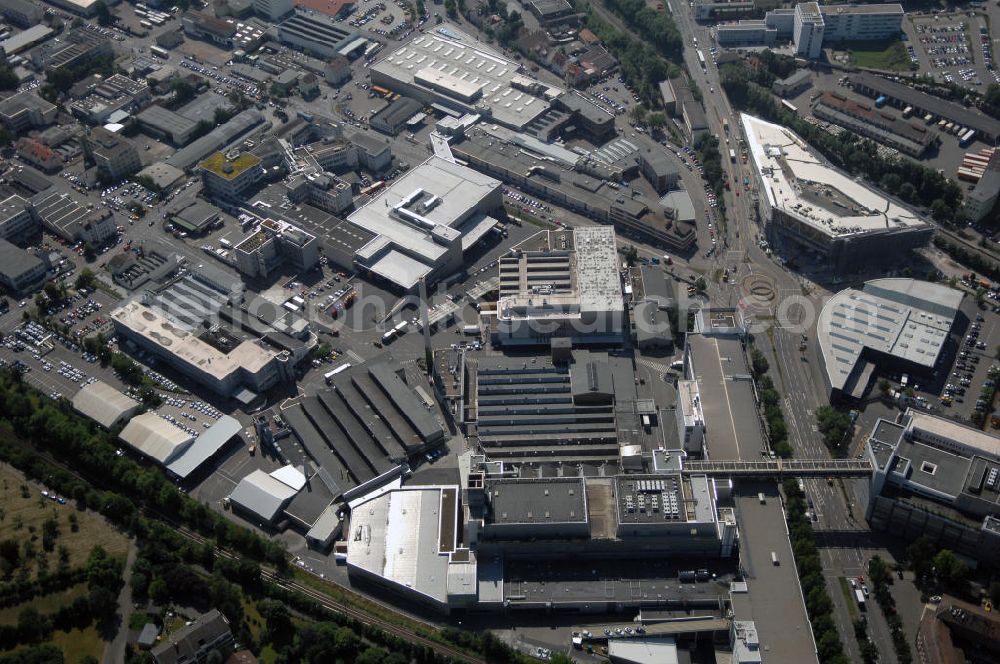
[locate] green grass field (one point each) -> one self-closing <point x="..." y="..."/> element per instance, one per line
<point x="852" y="606"/>
<point x="21" y="518"/>
<point x="889" y="55"/>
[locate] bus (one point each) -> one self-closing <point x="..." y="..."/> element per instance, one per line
<point x="701" y="59"/>
<point x="145" y="24"/>
<point x="159" y="52"/>
<point x="374" y="188"/>
<point x="329" y="375"/>
<point x="967" y="138"/>
<point x="789" y="105"/>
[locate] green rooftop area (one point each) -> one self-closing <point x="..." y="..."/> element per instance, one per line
<point x="229" y="169"/>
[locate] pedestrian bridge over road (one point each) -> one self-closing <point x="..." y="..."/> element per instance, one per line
<point x="780" y="468"/>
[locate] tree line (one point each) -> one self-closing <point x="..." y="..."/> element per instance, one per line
<point x="770" y="401"/>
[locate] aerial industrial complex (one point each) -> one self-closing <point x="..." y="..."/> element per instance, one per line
<point x="498" y="314"/>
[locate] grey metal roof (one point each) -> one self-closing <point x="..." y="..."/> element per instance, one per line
<point x="167" y="121"/>
<point x="404" y="399"/>
<point x="215" y="139"/>
<point x="15" y="261"/>
<point x="206" y="445"/>
<point x="262" y="495"/>
<point x="542" y="501"/>
<point x="398" y="112"/>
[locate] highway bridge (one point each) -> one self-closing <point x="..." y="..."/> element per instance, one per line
<point x="780" y="469"/>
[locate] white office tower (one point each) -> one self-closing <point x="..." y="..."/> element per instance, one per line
<point x="273" y="9"/>
<point x="808" y="30"/>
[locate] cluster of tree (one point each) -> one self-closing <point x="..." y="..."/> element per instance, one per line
<point x="130" y="372"/>
<point x="991" y="101"/>
<point x="869" y="651"/>
<point x="62" y="79"/>
<point x="86" y="279"/>
<point x="44" y="654"/>
<point x="818" y="603"/>
<point x="641" y="66"/>
<point x="834" y="425"/>
<point x="773" y="415"/>
<point x="22" y="590"/>
<point x="655" y="27"/>
<point x="902" y="177"/>
<point x="931" y="564"/>
<point x="103" y="574"/>
<point x="97" y="345"/>
<point x="8" y="79"/>
<point x="711" y="161"/>
<point x="881" y="579"/>
<point x="968" y="257"/>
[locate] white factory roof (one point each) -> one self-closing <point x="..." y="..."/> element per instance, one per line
<point x="455" y="67"/>
<point x="597" y="269"/>
<point x="262" y="494"/>
<point x="418" y="216"/>
<point x="803" y="186"/>
<point x="156" y="438"/>
<point x="103" y="403"/>
<point x="904" y="318"/>
<point x="643" y="650"/>
<point x="184" y="345"/>
<point x="205" y="446"/>
<point x="396" y="536"/>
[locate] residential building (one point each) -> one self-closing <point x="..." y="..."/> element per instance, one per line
<point x="39" y="155"/>
<point x="194" y="642"/>
<point x="748" y="32"/>
<point x="229" y="177"/>
<point x="16" y="222"/>
<point x="21" y="272"/>
<point x="114" y="155"/>
<point x="552" y="12"/>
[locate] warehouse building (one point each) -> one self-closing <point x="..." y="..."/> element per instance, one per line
<point x="104" y="404"/>
<point x="936" y="478"/>
<point x="450" y="69"/>
<point x="362" y="429"/>
<point x="978" y="203"/>
<point x="561" y="285"/>
<point x="63" y="216"/>
<point x="900" y="96"/>
<point x="425" y="222"/>
<point x="21" y="272"/>
<point x="165" y="123"/>
<point x="572" y="187"/>
<point x="319" y="33"/>
<point x="822" y="209"/>
<point x="909" y="137"/>
<point x="217" y="139"/>
<point x="397" y="115"/>
<point x="156" y="438"/>
<point x="262" y="496"/>
<point x="899" y="325"/>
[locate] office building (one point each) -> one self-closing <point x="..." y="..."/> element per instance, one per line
<point x="113" y="155"/>
<point x="661" y="172"/>
<point x="273" y="10"/>
<point x="63" y="216"/>
<point x="561" y="284"/>
<point x="451" y="69"/>
<point x="169" y="325"/>
<point x="205" y="26"/>
<point x="983" y="198"/>
<point x="747" y="32"/>
<point x="821" y="208"/>
<point x="320" y="33"/>
<point x="808" y="30"/>
<point x="897" y="325"/>
<point x="16" y="222"/>
<point x="727" y="10"/>
<point x="21" y="272"/>
<point x="861" y="22"/>
<point x="273" y="244"/>
<point x="690" y="417"/>
<point x="884" y="126"/>
<point x="230" y="177"/>
<point x="651" y="307"/>
<point x="217" y="139"/>
<point x="26" y="110"/>
<point x="938" y="479"/>
<point x="424" y="223"/>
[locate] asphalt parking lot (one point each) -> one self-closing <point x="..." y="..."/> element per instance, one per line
<point x="954" y="48"/>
